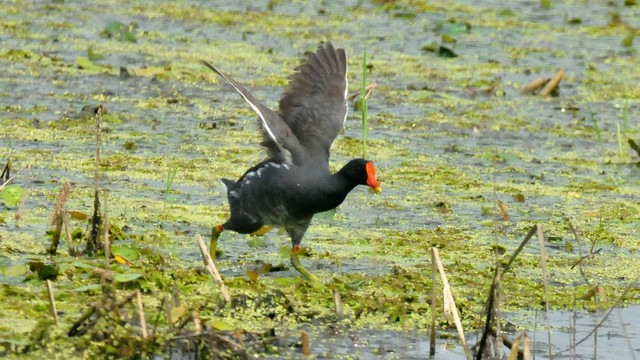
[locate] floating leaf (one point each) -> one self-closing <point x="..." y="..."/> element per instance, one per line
<point x="123" y="278"/>
<point x="265" y="268"/>
<point x="433" y="47"/>
<point x="12" y="195"/>
<point x="421" y="94"/>
<point x="445" y="52"/>
<point x="112" y="119"/>
<point x="112" y="28"/>
<point x="118" y="30"/>
<point x="597" y="289"/>
<point x="446" y="38"/>
<point x="130" y="145"/>
<point x="80" y="265"/>
<point x="257" y="242"/>
<point x="518" y="198"/>
<point x="221" y="325"/>
<point x="15" y="270"/>
<point x="627" y="41"/>
<point x="128" y="252"/>
<point x="288" y="281"/>
<point x="122" y="260"/>
<point x="89" y="65"/>
<point x="177" y="312"/>
<point x="403" y="15"/>
<point x="285" y="251"/>
<point x="78" y="215"/>
<point x="506" y="157"/>
<point x="253" y="276"/>
<point x="568" y="246"/>
<point x="487" y="210"/>
<point x="45" y="270"/>
<point x="454" y="28"/>
<point x="127" y="35"/>
<point x="94" y="55"/>
<point x="148" y="71"/>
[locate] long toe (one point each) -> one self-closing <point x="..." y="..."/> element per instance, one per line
<point x="295" y="261"/>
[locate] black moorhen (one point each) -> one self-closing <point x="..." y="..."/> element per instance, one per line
<point x="295" y="182"/>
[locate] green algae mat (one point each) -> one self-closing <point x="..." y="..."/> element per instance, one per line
<point x="467" y="162"/>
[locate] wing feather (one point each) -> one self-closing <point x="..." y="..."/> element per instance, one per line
<point x="314" y="105"/>
<point x="280" y="141"/>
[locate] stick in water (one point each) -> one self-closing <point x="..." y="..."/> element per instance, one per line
<point x="456" y="316"/>
<point x="209" y="264"/>
<point x="52" y="301"/>
<point x="143" y="322"/>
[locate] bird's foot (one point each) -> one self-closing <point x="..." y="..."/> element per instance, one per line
<point x="215" y="234"/>
<point x="295" y="261"/>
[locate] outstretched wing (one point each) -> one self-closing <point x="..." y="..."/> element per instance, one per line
<point x="279" y="139"/>
<point x="314" y="105"/>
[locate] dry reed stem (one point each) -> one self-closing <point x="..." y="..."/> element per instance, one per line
<point x="504" y="211"/>
<point x="25" y="194"/>
<point x="306" y="350"/>
<point x="107" y="242"/>
<point x="534" y="85"/>
<point x="197" y="322"/>
<point x="514" y="348"/>
<point x="496" y="310"/>
<point x="552" y="84"/>
<point x="497" y="278"/>
<point x="527" y="347"/>
<point x="143" y="322"/>
<point x="167" y="311"/>
<point x="98" y="120"/>
<point x="67" y="231"/>
<point x="55" y="239"/>
<point x="211" y="267"/>
<point x="368" y="90"/>
<point x="52" y="301"/>
<point x="337" y="301"/>
<point x="456" y="315"/>
<point x="6" y="171"/>
<point x="543" y="261"/>
<point x="175" y="295"/>
<point x="524" y="242"/>
<point x="62" y="199"/>
<point x="92" y="240"/>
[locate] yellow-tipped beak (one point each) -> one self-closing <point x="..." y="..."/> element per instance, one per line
<point x="377" y="189"/>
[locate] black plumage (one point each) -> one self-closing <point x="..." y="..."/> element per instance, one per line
<point x="295" y="182"/>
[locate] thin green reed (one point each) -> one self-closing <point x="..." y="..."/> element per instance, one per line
<point x="363" y="102"/>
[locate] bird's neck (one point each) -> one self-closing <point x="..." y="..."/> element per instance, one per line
<point x="336" y="189"/>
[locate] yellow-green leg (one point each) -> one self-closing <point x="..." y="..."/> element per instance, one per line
<point x="215" y="234"/>
<point x="295" y="261"/>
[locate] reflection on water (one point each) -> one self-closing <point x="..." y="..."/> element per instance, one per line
<point x="617" y="338"/>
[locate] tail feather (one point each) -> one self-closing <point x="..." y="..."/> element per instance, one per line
<point x="229" y="184"/>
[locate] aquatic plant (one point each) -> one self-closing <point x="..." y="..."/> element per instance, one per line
<point x="363" y="101"/>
